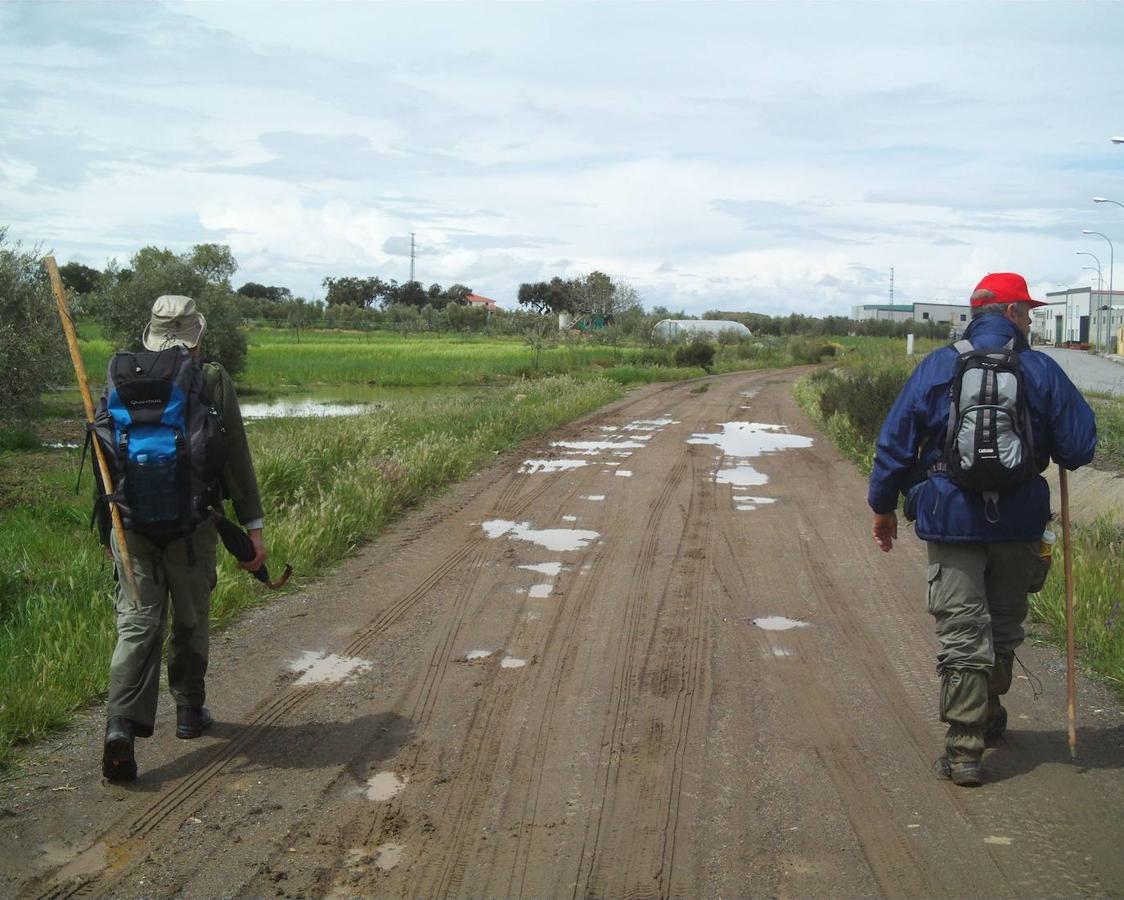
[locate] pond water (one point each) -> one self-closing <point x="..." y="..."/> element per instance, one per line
<point x="340" y="400"/>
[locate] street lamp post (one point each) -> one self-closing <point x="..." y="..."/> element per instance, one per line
<point x="1100" y="286"/>
<point x="1111" y="262"/>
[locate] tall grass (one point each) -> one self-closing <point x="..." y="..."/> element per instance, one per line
<point x="850" y="401"/>
<point x="327" y="485"/>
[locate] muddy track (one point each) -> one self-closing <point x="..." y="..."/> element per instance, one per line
<point x="514" y="711"/>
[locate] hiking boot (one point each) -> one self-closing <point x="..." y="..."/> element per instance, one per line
<point x="996" y="729"/>
<point x="966" y="773"/>
<point x="117" y="761"/>
<point x="192" y="721"/>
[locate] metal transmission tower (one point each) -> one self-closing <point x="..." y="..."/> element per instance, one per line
<point x="891" y="285"/>
<point x="411" y="256"/>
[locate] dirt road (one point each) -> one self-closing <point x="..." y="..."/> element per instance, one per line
<point x="646" y="669"/>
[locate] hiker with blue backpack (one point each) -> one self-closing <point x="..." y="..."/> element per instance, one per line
<point x="171" y="428"/>
<point x="965" y="443"/>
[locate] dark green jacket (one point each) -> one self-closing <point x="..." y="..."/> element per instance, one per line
<point x="239" y="482"/>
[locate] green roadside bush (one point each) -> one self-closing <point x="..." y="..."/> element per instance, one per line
<point x="698" y="353"/>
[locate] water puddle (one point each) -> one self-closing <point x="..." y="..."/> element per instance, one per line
<point x="743" y="503"/>
<point x="553" y="569"/>
<point x="510" y="662"/>
<point x="596" y="498"/>
<point x="569" y="518"/>
<point x="326" y="668"/>
<point x="780" y="651"/>
<point x="556" y="539"/>
<point x="384" y="785"/>
<point x="746" y="440"/>
<point x="623" y="473"/>
<point x="649" y="424"/>
<point x="998" y="840"/>
<point x="62" y="445"/>
<point x="778" y="623"/>
<point x="535" y="466"/>
<point x="478" y="654"/>
<point x="598" y="446"/>
<point x="304" y="409"/>
<point x="741" y="476"/>
<point x="388" y="855"/>
<point x="541" y="591"/>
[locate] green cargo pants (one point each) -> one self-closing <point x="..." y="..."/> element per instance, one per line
<point x="162" y="573"/>
<point x="977" y="594"/>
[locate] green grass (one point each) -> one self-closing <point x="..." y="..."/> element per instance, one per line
<point x="849" y="402"/>
<point x="328" y="484"/>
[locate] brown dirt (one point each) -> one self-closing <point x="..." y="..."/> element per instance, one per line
<point x="656" y="743"/>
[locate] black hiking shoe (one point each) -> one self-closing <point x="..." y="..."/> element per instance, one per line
<point x="996" y="730"/>
<point x="968" y="773"/>
<point x="117" y="761"/>
<point x="192" y="721"/>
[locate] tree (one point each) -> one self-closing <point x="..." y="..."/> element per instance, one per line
<point x="80" y="279"/>
<point x="411" y="294"/>
<point x="554" y="296"/>
<point x="269" y="293"/>
<point x="458" y="293"/>
<point x="354" y="291"/>
<point x="32" y="350"/>
<point x="202" y="273"/>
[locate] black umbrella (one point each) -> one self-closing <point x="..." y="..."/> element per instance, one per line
<point x="238" y="543"/>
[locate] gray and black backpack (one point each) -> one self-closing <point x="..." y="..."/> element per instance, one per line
<point x="163" y="439"/>
<point x="989" y="446"/>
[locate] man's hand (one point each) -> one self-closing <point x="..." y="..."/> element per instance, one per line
<point x="885" y="530"/>
<point x="260" y="553"/>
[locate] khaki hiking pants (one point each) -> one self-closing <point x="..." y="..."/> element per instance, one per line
<point x="977" y="595"/>
<point x="162" y="573"/>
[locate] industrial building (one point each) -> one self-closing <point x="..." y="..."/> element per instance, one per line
<point x="1079" y="315"/>
<point x="954" y="315"/>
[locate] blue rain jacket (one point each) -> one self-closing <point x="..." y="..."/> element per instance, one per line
<point x="913" y="435"/>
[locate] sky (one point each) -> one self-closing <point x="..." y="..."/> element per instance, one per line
<point x="766" y="157"/>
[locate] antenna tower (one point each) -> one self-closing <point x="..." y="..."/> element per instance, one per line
<point x="412" y="256"/>
<point x="891" y="285"/>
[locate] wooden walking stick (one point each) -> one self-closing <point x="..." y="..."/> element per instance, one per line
<point x="87" y="400"/>
<point x="1070" y="648"/>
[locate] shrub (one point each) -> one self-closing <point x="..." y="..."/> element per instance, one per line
<point x="699" y="352"/>
<point x="32" y="350"/>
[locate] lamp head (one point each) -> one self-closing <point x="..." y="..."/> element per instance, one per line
<point x="1087" y="231"/>
<point x="1100" y="200"/>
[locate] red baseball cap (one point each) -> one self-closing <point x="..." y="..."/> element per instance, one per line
<point x="1003" y="287"/>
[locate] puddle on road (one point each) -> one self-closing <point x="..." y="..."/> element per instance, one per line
<point x="74" y="863"/>
<point x="388" y="855"/>
<point x="541" y="591"/>
<point x="743" y="503"/>
<point x="998" y="840"/>
<point x="383" y="786"/>
<point x="592" y="447"/>
<point x="780" y="651"/>
<point x="556" y="539"/>
<point x="747" y="440"/>
<point x="510" y="662"/>
<point x="554" y="569"/>
<point x="596" y="498"/>
<point x="478" y="654"/>
<point x="778" y="623"/>
<point x="649" y="424"/>
<point x="326" y="668"/>
<point x="623" y="473"/>
<point x="569" y="518"/>
<point x="537" y="466"/>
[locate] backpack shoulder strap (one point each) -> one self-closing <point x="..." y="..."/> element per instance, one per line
<point x="963" y="346"/>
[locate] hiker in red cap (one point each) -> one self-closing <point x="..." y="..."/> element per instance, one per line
<point x="965" y="443"/>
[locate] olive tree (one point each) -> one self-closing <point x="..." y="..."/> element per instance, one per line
<point x="33" y="351"/>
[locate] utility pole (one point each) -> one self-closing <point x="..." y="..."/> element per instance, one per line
<point x="411" y="256"/>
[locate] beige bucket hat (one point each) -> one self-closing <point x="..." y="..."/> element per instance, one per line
<point x="175" y="322"/>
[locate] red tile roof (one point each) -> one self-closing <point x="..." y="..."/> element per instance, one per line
<point x="479" y="299"/>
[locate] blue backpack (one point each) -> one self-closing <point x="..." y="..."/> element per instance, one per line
<point x="164" y="441"/>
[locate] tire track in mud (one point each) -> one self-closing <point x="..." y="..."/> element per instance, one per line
<point x="612" y="746"/>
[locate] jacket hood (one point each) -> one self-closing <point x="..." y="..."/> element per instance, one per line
<point x="993" y="330"/>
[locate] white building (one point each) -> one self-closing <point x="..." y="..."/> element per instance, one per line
<point x="955" y="316"/>
<point x="883" y="312"/>
<point x="679" y="329"/>
<point x="1081" y="315"/>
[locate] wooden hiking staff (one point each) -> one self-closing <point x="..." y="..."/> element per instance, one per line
<point x="88" y="402"/>
<point x="1070" y="644"/>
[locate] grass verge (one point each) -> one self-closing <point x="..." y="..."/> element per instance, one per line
<point x="327" y="485"/>
<point x="850" y="400"/>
